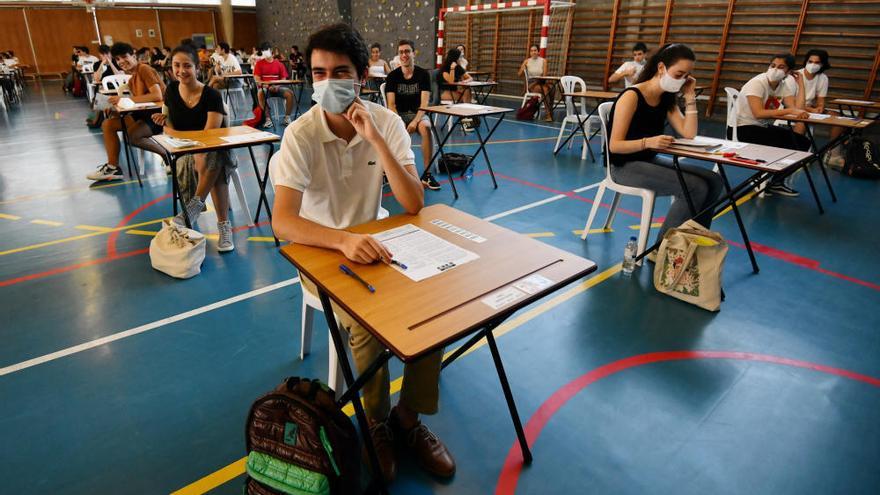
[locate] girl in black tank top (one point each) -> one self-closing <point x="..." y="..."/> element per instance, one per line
<point x="647" y="121"/>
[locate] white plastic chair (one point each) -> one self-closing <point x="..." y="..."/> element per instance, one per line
<point x="528" y="94"/>
<point x="732" y="98"/>
<point x="647" y="195"/>
<point x="382" y="94"/>
<point x="234" y="87"/>
<point x="573" y="84"/>
<point x="114" y="81"/>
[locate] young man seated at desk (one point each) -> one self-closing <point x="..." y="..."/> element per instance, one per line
<point x="145" y="86"/>
<point x="268" y="68"/>
<point x="328" y="177"/>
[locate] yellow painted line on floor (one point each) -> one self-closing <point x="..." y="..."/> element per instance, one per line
<point x="149" y="233"/>
<point x="738" y="203"/>
<point x="9" y="217"/>
<point x="653" y="226"/>
<point x="237" y="468"/>
<point x="261" y="239"/>
<point x="213" y="237"/>
<point x="541" y="234"/>
<point x="94" y="228"/>
<point x="76" y="237"/>
<point x="593" y="231"/>
<point x="60" y="192"/>
<point x="47" y="222"/>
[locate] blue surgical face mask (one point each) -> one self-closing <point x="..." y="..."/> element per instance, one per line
<point x="334" y="95"/>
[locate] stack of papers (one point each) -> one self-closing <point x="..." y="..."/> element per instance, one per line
<point x="180" y="143"/>
<point x="245" y="138"/>
<point x="423" y="253"/>
<point x="819" y="116"/>
<point x="698" y="142"/>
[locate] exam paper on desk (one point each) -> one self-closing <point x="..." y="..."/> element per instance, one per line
<point x="424" y="254"/>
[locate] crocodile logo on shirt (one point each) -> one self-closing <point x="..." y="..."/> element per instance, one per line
<point x="371" y="162"/>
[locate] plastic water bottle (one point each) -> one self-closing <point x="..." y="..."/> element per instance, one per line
<point x="469" y="173"/>
<point x="629" y="256"/>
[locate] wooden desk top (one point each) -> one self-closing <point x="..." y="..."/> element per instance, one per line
<point x="236" y="76"/>
<point x="138" y="106"/>
<point x="211" y="139"/>
<point x="547" y="78"/>
<point x="369" y="91"/>
<point x="780" y="158"/>
<point x="457" y="110"/>
<point x="478" y="72"/>
<point x="601" y="95"/>
<point x="856" y="103"/>
<point x="415" y="318"/>
<point x="832" y="120"/>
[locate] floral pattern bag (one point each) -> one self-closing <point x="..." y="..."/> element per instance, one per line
<point x="689" y="265"/>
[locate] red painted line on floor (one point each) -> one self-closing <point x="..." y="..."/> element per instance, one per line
<point x="513" y="464"/>
<point x="802" y="262"/>
<point x="111" y="239"/>
<point x="68" y="268"/>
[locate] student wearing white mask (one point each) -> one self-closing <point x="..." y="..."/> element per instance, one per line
<point x="328" y="178"/>
<point x="462" y="62"/>
<point x="811" y="89"/>
<point x="761" y="101"/>
<point x="631" y="69"/>
<point x="269" y="68"/>
<point x="638" y="120"/>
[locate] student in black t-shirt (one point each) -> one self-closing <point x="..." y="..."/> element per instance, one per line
<point x="407" y="88"/>
<point x="190" y="106"/>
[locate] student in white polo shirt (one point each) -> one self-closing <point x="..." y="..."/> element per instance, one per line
<point x="327" y="179"/>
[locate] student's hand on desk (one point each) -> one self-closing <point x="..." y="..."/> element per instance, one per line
<point x="659" y="142"/>
<point x="159" y="119"/>
<point x="364" y="249"/>
<point x="113" y="99"/>
<point x="799" y="113"/>
<point x="362" y="120"/>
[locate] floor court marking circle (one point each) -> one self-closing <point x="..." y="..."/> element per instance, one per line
<point x="512" y="467"/>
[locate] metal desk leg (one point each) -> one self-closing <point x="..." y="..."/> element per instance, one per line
<point x="353" y="393"/>
<point x="813" y="188"/>
<point x="483" y="149"/>
<point x="262" y="183"/>
<point x="297" y="98"/>
<point x="129" y="154"/>
<point x="684" y="187"/>
<point x="739" y="222"/>
<point x="580" y="127"/>
<point x="508" y="396"/>
<point x="175" y="191"/>
<point x="820" y="154"/>
<point x="439" y="154"/>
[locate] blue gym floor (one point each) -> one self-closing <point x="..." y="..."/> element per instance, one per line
<point x="623" y="390"/>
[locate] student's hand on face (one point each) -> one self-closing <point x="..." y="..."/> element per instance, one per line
<point x="659" y="142"/>
<point x="159" y="119"/>
<point x="362" y="120"/>
<point x="364" y="249"/>
<point x="690" y="86"/>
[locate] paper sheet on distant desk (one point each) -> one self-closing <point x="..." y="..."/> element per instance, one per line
<point x="423" y="253"/>
<point x="251" y="136"/>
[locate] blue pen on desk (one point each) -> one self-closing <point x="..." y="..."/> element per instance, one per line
<point x="401" y="265"/>
<point x="348" y="271"/>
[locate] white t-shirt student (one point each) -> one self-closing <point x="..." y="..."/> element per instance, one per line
<point x="817" y="87"/>
<point x="341" y="181"/>
<point x="88" y="60"/>
<point x="770" y="98"/>
<point x="229" y="64"/>
<point x="626" y="66"/>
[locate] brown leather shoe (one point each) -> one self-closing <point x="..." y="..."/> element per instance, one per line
<point x="432" y="455"/>
<point x="383" y="440"/>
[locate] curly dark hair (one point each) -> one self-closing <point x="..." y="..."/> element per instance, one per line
<point x="343" y="39"/>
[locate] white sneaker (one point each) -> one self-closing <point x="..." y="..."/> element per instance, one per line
<point x="224" y="243"/>
<point x="269" y="124"/>
<point x="106" y="172"/>
<point x="286" y="120"/>
<point x="835" y="161"/>
<point x="193" y="210"/>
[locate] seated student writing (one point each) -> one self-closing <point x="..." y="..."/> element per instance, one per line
<point x="761" y="100"/>
<point x="451" y="72"/>
<point x="269" y="68"/>
<point x="193" y="106"/>
<point x="225" y="64"/>
<point x="536" y="66"/>
<point x="145" y="86"/>
<point x="811" y="88"/>
<point x="630" y="69"/>
<point x="407" y="89"/>
<point x="638" y="118"/>
<point x="328" y="178"/>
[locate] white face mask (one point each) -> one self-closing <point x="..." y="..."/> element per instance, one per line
<point x="334" y="95"/>
<point x="267" y="54"/>
<point x="813" y="68"/>
<point x="775" y="75"/>
<point x="670" y="84"/>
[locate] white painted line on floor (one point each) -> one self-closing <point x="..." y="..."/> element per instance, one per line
<point x="217" y="305"/>
<point x="144" y="328"/>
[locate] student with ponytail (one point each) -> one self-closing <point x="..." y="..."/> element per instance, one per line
<point x="638" y="118"/>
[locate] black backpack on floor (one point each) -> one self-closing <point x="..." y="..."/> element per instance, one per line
<point x="451" y="163"/>
<point x="300" y="442"/>
<point x="862" y="159"/>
